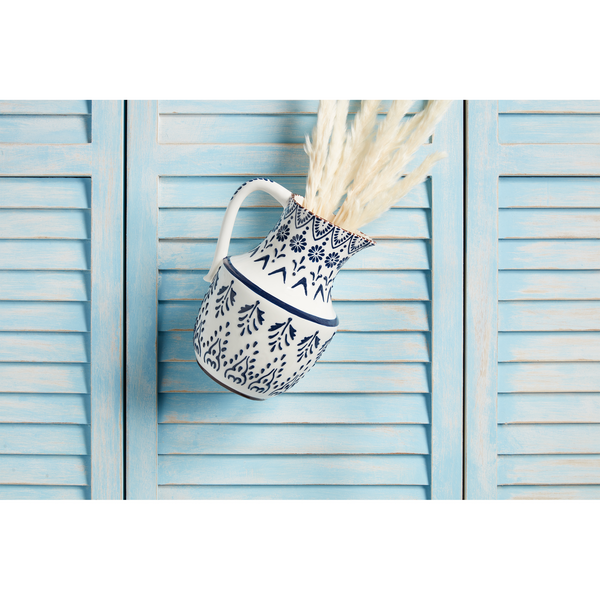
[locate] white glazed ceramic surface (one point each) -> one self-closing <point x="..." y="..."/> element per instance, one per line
<point x="267" y="316"/>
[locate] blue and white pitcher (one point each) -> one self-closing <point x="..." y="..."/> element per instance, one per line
<point x="267" y="316"/>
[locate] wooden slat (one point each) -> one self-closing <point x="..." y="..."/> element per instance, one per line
<point x="345" y="347"/>
<point x="576" y="438"/>
<point x="47" y="160"/>
<point x="388" y="254"/>
<point x="45" y="470"/>
<point x="547" y="192"/>
<point x="259" y="106"/>
<point x="44" y="347"/>
<point x="549" y="106"/>
<point x="322" y="378"/>
<point x="349" y="285"/>
<point x="294" y="408"/>
<point x="548" y="285"/>
<point x="44" y="316"/>
<point x="45" y="192"/>
<point x="549" y="316"/>
<point x="549" y="377"/>
<point x="548" y="223"/>
<point x="293" y="470"/>
<point x="44" y="224"/>
<point x="44" y="378"/>
<point x="549" y="492"/>
<point x="291" y="492"/>
<point x="46" y="107"/>
<point x="292" y="439"/>
<point x="44" y="285"/>
<point x="205" y="223"/>
<point x="546" y="346"/>
<point x="45" y="129"/>
<point x="544" y="470"/>
<point x="107" y="373"/>
<point x="45" y="408"/>
<point x="44" y="492"/>
<point x="548" y="129"/>
<point x="44" y="254"/>
<point x="44" y="439"/>
<point x="353" y="316"/>
<point x="536" y="160"/>
<point x="549" y="254"/>
<point x="216" y="192"/>
<point x="549" y="408"/>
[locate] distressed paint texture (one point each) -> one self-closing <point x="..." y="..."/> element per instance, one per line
<point x="61" y="260"/>
<point x="388" y="391"/>
<point x="533" y="300"/>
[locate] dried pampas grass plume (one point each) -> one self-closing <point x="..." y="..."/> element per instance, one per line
<point x="360" y="171"/>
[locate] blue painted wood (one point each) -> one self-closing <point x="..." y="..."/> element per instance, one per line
<point x="549" y="469"/>
<point x="44" y="316"/>
<point x="549" y="254"/>
<point x="547" y="192"/>
<point x="45" y="254"/>
<point x="44" y="439"/>
<point x="549" y="408"/>
<point x="549" y="377"/>
<point x="388" y="292"/>
<point x="107" y="300"/>
<point x="44" y="470"/>
<point x="481" y="301"/>
<point x="44" y="347"/>
<point x="190" y="223"/>
<point x="544" y="159"/>
<point x="45" y="408"/>
<point x="45" y="192"/>
<point x="447" y="310"/>
<point x="548" y="129"/>
<point x="549" y="106"/>
<point x="60" y="284"/>
<point x="46" y="107"/>
<point x="215" y="192"/>
<point x="549" y="492"/>
<point x="52" y="378"/>
<point x="548" y="285"/>
<point x="141" y="306"/>
<point x="281" y="439"/>
<point x="549" y="223"/>
<point x="45" y="129"/>
<point x="295" y="408"/>
<point x="529" y="315"/>
<point x="258" y="106"/>
<point x="345" y="347"/>
<point x="44" y="492"/>
<point x="45" y="224"/>
<point x="292" y="492"/>
<point x="294" y="470"/>
<point x="549" y="439"/>
<point x="354" y="316"/>
<point x="349" y="285"/>
<point x="548" y="346"/>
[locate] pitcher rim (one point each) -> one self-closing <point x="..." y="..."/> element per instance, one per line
<point x="359" y="234"/>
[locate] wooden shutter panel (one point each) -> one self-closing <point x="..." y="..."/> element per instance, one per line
<point x="533" y="300"/>
<point x="61" y="215"/>
<point x="381" y="415"/>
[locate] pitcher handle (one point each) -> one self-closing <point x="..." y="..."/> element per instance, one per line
<point x="266" y="185"/>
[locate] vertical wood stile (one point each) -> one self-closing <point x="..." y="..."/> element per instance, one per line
<point x="447" y="325"/>
<point x="481" y="355"/>
<point x="141" y="316"/>
<point x="107" y="300"/>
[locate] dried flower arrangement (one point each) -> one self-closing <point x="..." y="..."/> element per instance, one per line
<point x="360" y="172"/>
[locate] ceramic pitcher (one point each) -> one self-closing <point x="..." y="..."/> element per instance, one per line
<point x="267" y="316"/>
